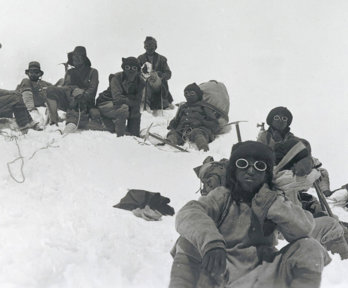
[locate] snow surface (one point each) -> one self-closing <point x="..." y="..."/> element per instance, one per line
<point x="59" y="228"/>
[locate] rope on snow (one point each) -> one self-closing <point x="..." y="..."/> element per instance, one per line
<point x="20" y="157"/>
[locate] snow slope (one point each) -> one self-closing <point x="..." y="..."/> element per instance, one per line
<point x="59" y="228"/>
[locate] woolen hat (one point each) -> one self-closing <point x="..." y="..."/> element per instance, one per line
<point x="257" y="150"/>
<point x="79" y="50"/>
<point x="130" y="61"/>
<point x="279" y="111"/>
<point x="34" y="65"/>
<point x="194" y="87"/>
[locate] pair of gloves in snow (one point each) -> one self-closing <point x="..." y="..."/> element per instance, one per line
<point x="147" y="205"/>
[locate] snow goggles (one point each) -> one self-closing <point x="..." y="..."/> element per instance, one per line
<point x="189" y="93"/>
<point x="242" y="163"/>
<point x="34" y="71"/>
<point x="283" y="118"/>
<point x="134" y="68"/>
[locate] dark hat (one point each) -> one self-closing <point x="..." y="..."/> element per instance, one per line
<point x="79" y="50"/>
<point x="131" y="61"/>
<point x="34" y="65"/>
<point x="196" y="88"/>
<point x="276" y="111"/>
<point x="258" y="151"/>
<point x="254" y="149"/>
<point x="149" y="38"/>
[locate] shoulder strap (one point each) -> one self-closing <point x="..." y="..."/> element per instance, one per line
<point x="225" y="210"/>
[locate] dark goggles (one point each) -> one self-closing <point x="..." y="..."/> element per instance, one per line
<point x="189" y="93"/>
<point x="34" y="71"/>
<point x="134" y="68"/>
<point x="242" y="163"/>
<point x="283" y="118"/>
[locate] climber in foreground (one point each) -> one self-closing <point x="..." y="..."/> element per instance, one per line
<point x="228" y="237"/>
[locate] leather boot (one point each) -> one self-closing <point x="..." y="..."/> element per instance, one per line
<point x="339" y="246"/>
<point x="201" y="142"/>
<point x="120" y="126"/>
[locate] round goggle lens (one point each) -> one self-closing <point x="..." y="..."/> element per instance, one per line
<point x="260" y="165"/>
<point x="283" y="118"/>
<point x="244" y="164"/>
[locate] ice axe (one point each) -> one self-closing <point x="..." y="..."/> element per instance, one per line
<point x="163" y="140"/>
<point x="237" y="128"/>
<point x="322" y="199"/>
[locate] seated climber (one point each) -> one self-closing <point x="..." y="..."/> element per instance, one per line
<point x="33" y="90"/>
<point x="77" y="95"/>
<point x="327" y="230"/>
<point x="193" y="121"/>
<point x="11" y="103"/>
<point x="119" y="105"/>
<point x="228" y="237"/>
<point x="279" y="120"/>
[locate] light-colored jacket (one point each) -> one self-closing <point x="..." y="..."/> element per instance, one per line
<point x="242" y="231"/>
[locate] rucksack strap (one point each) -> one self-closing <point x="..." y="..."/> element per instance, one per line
<point x="225" y="210"/>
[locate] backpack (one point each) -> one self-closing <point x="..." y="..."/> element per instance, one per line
<point x="215" y="96"/>
<point x="212" y="174"/>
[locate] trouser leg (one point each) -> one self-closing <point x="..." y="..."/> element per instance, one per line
<point x="57" y="98"/>
<point x="120" y="126"/>
<point x="20" y="111"/>
<point x="28" y="100"/>
<point x="301" y="264"/>
<point x="329" y="232"/>
<point x="185" y="272"/>
<point x="200" y="138"/>
<point x="134" y="118"/>
<point x="133" y="126"/>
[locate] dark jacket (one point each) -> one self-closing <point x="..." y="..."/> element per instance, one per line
<point x="194" y="116"/>
<point x="160" y="65"/>
<point x="122" y="91"/>
<point x="87" y="79"/>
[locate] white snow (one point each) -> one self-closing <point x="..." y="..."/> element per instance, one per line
<point x="58" y="228"/>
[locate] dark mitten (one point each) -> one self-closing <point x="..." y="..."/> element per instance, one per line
<point x="327" y="193"/>
<point x="160" y="203"/>
<point x="303" y="167"/>
<point x="214" y="262"/>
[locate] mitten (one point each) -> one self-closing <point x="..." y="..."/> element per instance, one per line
<point x="160" y="203"/>
<point x="214" y="261"/>
<point x="303" y="167"/>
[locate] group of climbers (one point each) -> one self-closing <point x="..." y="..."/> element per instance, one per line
<point x="228" y="236"/>
<point x="142" y="81"/>
<point x="117" y="109"/>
